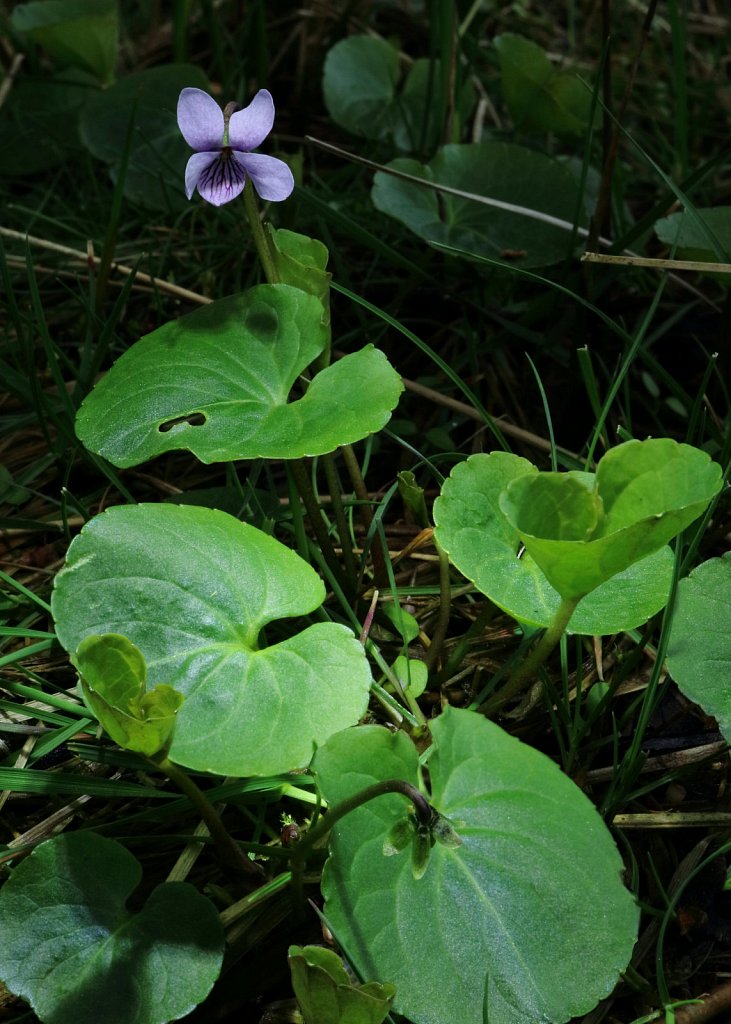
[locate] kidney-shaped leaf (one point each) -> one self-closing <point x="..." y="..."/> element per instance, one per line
<point x="498" y="170"/>
<point x="71" y="948"/>
<point x="582" y="529"/>
<point x="359" y="85"/>
<point x="540" y="97"/>
<point x="699" y="652"/>
<point x="484" y="546"/>
<point x="529" y="904"/>
<point x="82" y="33"/>
<point x="145" y="101"/>
<point x="113" y="679"/>
<point x="193" y="588"/>
<point x="704" y="235"/>
<point x="363" y="93"/>
<point x="217" y="382"/>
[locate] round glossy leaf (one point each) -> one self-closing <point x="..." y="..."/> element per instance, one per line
<point x="644" y="493"/>
<point x="192" y="588"/>
<point x="485" y="547"/>
<point x="71" y="948"/>
<point x="412" y="674"/>
<point x="217" y="383"/>
<point x="359" y="84"/>
<point x="528" y="906"/>
<point x="699" y="652"/>
<point x="498" y="170"/>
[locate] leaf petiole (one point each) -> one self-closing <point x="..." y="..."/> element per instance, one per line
<point x="422" y="808"/>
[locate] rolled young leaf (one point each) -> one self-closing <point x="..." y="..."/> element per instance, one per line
<point x="327" y="995"/>
<point x="113" y="678"/>
<point x="582" y="530"/>
<point x="486" y="547"/>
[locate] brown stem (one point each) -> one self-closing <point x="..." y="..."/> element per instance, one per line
<point x="716" y="1002"/>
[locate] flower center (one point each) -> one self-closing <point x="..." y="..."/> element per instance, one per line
<point x="223" y="175"/>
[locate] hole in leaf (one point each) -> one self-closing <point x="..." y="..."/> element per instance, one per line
<point x="194" y="419"/>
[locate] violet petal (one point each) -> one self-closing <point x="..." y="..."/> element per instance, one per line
<point x="248" y="128"/>
<point x="200" y="119"/>
<point x="195" y="167"/>
<point x="271" y="178"/>
<point x="222" y="180"/>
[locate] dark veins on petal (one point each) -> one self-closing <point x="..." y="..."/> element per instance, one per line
<point x="222" y="174"/>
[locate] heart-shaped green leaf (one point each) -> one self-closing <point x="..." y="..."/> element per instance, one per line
<point x="404" y="623"/>
<point x="113" y="678"/>
<point x="41" y="108"/>
<point x="82" y="33"/>
<point x="155" y="175"/>
<point x="528" y="904"/>
<point x="540" y="97"/>
<point x="364" y="94"/>
<point x="412" y="674"/>
<point x="71" y="948"/>
<point x="359" y="84"/>
<point x="326" y="994"/>
<point x="485" y="546"/>
<point x="217" y="383"/>
<point x="193" y="588"/>
<point x="704" y="235"/>
<point x="497" y="170"/>
<point x="699" y="652"/>
<point x="583" y="529"/>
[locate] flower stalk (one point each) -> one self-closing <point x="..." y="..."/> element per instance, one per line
<point x="262" y="243"/>
<point x="313" y="837"/>
<point x="231" y="855"/>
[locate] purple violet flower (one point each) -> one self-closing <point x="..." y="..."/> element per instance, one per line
<point x="224" y="140"/>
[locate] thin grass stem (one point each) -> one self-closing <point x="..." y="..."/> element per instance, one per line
<point x="379" y="550"/>
<point x="333" y="483"/>
<point x="445" y="606"/>
<point x="314" y="514"/>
